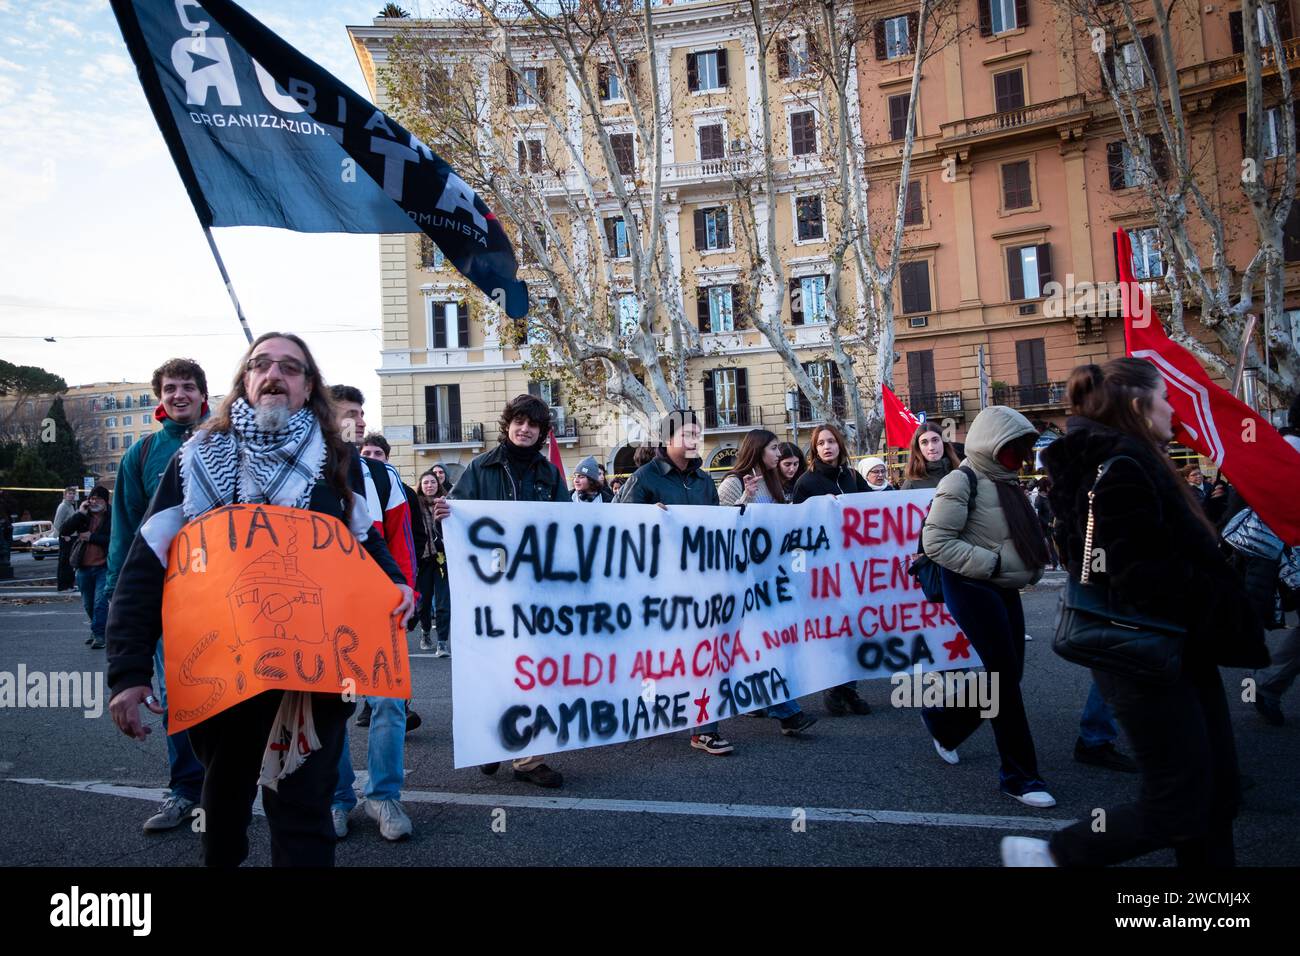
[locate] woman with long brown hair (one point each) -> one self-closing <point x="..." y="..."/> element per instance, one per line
<point x="435" y="596"/>
<point x="1161" y="557"/>
<point x="791" y="466"/>
<point x="930" y="458"/>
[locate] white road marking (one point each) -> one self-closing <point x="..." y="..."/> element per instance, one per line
<point x="672" y="808"/>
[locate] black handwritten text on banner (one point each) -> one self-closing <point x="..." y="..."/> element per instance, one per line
<point x="576" y="627"/>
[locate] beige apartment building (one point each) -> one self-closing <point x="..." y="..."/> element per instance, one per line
<point x="1018" y="179"/>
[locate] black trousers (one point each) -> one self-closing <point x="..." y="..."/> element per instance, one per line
<point x="66" y="577"/>
<point x="435" y="599"/>
<point x="230" y="746"/>
<point x="1182" y="740"/>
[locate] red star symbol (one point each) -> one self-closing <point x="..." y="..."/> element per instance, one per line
<point x="703" y="704"/>
<point x="959" y="646"/>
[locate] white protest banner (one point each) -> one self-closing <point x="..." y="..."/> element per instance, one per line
<point x="579" y="625"/>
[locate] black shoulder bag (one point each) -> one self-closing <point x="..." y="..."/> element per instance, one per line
<point x="1096" y="629"/>
<point x="926" y="571"/>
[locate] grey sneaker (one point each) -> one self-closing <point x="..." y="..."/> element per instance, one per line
<point x="174" y="811"/>
<point x="393" y="822"/>
<point x="426" y="642"/>
<point x="340" y="818"/>
<point x="443" y="650"/>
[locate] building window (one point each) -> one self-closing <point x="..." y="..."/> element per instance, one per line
<point x="721" y="318"/>
<point x="442" y="414"/>
<point x="1126" y="64"/>
<point x="1291" y="238"/>
<point x="431" y="256"/>
<point x="914" y="278"/>
<point x="1261" y="32"/>
<point x="706" y="71"/>
<point x="809" y="224"/>
<point x="1017" y="192"/>
<point x="629" y="315"/>
<point x="126" y="441"/>
<point x="607" y="80"/>
<point x="1001" y="15"/>
<point x="110" y="403"/>
<point x="110" y="421"/>
<point x="126" y="421"/>
<point x="146" y="400"/>
<point x="1009" y="91"/>
<point x="913" y="210"/>
<point x="624" y="153"/>
<point x="712" y="229"/>
<point x="529" y="78"/>
<point x="548" y="392"/>
<point x="128" y="402"/>
<point x="793" y="57"/>
<point x="616" y="244"/>
<point x="531" y="255"/>
<point x="1125" y="168"/>
<point x="722" y="399"/>
<point x="898" y="40"/>
<point x="898" y="115"/>
<point x="529" y="155"/>
<point x="450" y="325"/>
<point x="112" y="467"/>
<point x="1031" y="367"/>
<point x="1029" y="269"/>
<point x="826" y="382"/>
<point x="803" y="133"/>
<point x="712" y="145"/>
<point x="921" y="385"/>
<point x="112" y="443"/>
<point x="1148" y="260"/>
<point x="812" y="299"/>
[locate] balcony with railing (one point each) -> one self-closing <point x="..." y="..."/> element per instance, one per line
<point x="433" y="434"/>
<point x="736" y="418"/>
<point x="807" y="415"/>
<point x="1228" y="70"/>
<point x="1041" y="395"/>
<point x="701" y="170"/>
<point x="935" y="403"/>
<point x="1015" y="122"/>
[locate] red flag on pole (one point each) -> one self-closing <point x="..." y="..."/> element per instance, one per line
<point x="556" y="460"/>
<point x="900" y="424"/>
<point x="1248" y="450"/>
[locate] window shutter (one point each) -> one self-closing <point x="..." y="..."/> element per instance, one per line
<point x="1153" y="54"/>
<point x="1022" y="13"/>
<point x="462" y="324"/>
<point x="523" y="156"/>
<point x="796" y="303"/>
<point x="805" y="406"/>
<point x="692" y="72"/>
<point x="913" y="211"/>
<point x="881" y="51"/>
<point x="742" y="395"/>
<point x="986" y="18"/>
<point x="535" y="389"/>
<point x="555" y="393"/>
<point x="913" y="24"/>
<point x="724" y="228"/>
<point x="710" y="397"/>
<point x="1044" y="266"/>
<point x="1159" y="157"/>
<point x="914" y="278"/>
<point x="602" y="79"/>
<point x="811" y="40"/>
<point x="1115" y="164"/>
<point x="1241" y="123"/>
<point x="701" y="240"/>
<point x="430" y="404"/>
<point x="740" y="310"/>
<point x="837" y="388"/>
<point x="1291" y="234"/>
<point x="1015" y="278"/>
<point x="702" y="309"/>
<point x="1238" y="34"/>
<point x="633" y="81"/>
<point x="1031" y="361"/>
<point x="440" y="325"/>
<point x="541" y="85"/>
<point x="722" y="68"/>
<point x="782" y="57"/>
<point x="512" y="90"/>
<point x="1114" y="251"/>
<point x="1283" y="10"/>
<point x="898" y="117"/>
<point x="453" y="409"/>
<point x="611" y="238"/>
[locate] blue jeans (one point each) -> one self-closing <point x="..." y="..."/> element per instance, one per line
<point x="385" y="752"/>
<point x="186" y="777"/>
<point x="91" y="582"/>
<point x="787" y="708"/>
<point x="1097" y="726"/>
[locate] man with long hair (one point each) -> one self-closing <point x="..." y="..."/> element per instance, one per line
<point x="273" y="441"/>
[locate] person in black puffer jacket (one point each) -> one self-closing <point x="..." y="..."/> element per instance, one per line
<point x="1161" y="556"/>
<point x="829" y="474"/>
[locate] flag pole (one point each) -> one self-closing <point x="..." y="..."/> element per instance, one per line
<point x="225" y="277"/>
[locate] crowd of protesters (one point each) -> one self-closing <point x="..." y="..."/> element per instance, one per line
<point x="1179" y="547"/>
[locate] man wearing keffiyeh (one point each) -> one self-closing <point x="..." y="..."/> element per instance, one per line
<point x="274" y="440"/>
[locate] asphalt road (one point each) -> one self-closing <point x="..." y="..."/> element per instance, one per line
<point x="871" y="789"/>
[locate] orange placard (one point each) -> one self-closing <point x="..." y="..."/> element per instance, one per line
<point x="259" y="597"/>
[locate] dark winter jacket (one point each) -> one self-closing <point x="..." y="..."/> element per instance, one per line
<point x="1159" y="556"/>
<point x="823" y="479"/>
<point x="418" y="532"/>
<point x="935" y="471"/>
<point x="135" y="614"/>
<point x="488" y="478"/>
<point x="659" y="481"/>
<point x="94" y="553"/>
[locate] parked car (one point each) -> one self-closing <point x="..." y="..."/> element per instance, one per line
<point x="46" y="545"/>
<point x="27" y="532"/>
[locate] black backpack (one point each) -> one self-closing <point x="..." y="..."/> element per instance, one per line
<point x="926" y="571"/>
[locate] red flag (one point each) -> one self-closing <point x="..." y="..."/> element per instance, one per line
<point x="556" y="460"/>
<point x="1248" y="450"/>
<point x="900" y="424"/>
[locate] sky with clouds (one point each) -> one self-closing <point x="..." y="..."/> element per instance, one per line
<point x="99" y="245"/>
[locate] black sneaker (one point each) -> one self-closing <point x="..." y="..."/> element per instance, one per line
<point x="541" y="775"/>
<point x="413" y="720"/>
<point x="797" y="723"/>
<point x="97" y="645"/>
<point x="1106" y="756"/>
<point x="834" y="703"/>
<point x="490" y="768"/>
<point x="857" y="705"/>
<point x="363" y="718"/>
<point x="1270" y="710"/>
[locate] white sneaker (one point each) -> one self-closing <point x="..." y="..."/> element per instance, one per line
<point x="949" y="756"/>
<point x="1029" y="637"/>
<point x="393" y="822"/>
<point x="1035" y="798"/>
<point x="340" y="818"/>
<point x="426" y="642"/>
<point x="1026" y="851"/>
<point x="444" y="649"/>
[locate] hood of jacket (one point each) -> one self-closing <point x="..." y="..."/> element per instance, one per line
<point x="989" y="433"/>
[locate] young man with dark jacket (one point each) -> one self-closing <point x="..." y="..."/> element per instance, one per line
<point x="674" y="477"/>
<point x="91" y="529"/>
<point x="516" y="470"/>
<point x="274" y="440"/>
<point x="181" y="388"/>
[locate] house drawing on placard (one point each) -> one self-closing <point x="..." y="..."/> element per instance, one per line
<point x="271" y="598"/>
